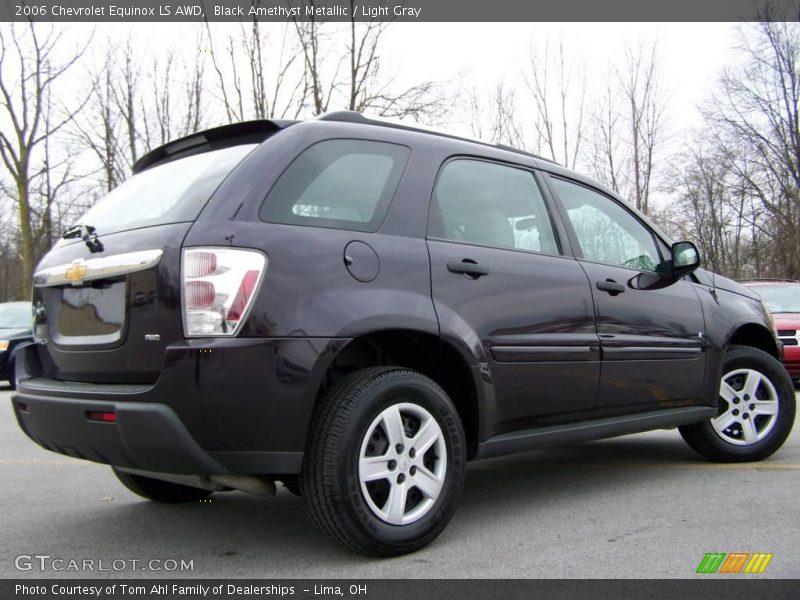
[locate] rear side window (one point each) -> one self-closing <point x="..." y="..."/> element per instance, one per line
<point x="342" y="184"/>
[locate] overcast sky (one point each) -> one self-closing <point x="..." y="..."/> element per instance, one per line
<point x="480" y="55"/>
<point x="691" y="54"/>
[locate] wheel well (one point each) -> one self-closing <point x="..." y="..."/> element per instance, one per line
<point x="422" y="352"/>
<point x="755" y="336"/>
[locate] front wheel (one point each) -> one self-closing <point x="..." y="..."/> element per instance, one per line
<point x="756" y="410"/>
<point x="385" y="463"/>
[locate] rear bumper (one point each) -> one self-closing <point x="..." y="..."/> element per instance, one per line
<point x="220" y="406"/>
<point x="145" y="435"/>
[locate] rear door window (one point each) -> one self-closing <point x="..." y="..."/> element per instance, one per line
<point x="489" y="204"/>
<point x="342" y="184"/>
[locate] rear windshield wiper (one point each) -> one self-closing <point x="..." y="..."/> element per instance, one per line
<point x="88" y="234"/>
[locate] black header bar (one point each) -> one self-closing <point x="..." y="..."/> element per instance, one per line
<point x="131" y="11"/>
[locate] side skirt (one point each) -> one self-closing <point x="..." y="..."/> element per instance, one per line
<point x="530" y="439"/>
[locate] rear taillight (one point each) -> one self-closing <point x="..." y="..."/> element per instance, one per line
<point x="218" y="288"/>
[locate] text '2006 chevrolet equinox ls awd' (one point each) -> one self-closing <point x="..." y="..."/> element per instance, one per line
<point x="356" y="309"/>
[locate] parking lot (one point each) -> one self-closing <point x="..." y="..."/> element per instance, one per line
<point x="642" y="506"/>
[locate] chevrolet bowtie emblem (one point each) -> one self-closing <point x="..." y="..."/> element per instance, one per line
<point x="75" y="273"/>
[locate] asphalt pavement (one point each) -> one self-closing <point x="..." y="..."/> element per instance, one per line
<point x="640" y="506"/>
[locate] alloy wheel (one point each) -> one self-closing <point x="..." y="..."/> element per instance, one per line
<point x="748" y="407"/>
<point x="402" y="463"/>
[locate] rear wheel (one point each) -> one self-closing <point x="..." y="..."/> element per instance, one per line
<point x="756" y="410"/>
<point x="158" y="490"/>
<point x="385" y="463"/>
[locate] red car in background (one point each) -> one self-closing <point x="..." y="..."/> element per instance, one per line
<point x="782" y="298"/>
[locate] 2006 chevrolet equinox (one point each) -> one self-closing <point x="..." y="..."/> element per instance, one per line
<point x="356" y="309"/>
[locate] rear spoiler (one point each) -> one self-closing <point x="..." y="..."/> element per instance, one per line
<point x="248" y="132"/>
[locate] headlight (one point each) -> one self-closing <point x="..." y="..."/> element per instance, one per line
<point x="3" y="345"/>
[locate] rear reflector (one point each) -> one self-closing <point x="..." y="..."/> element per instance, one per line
<point x="104" y="417"/>
<point x="23" y="407"/>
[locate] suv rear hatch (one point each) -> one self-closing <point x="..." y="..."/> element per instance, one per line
<point x="107" y="297"/>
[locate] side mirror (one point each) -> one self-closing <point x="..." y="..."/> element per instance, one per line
<point x="685" y="259"/>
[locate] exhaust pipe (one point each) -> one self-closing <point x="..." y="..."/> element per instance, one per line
<point x="251" y="484"/>
<point x="260" y="486"/>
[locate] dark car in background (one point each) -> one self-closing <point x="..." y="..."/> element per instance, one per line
<point x="357" y="308"/>
<point x="782" y="298"/>
<point x="15" y="329"/>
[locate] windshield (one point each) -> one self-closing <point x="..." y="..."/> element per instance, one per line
<point x="169" y="193"/>
<point x="780" y="298"/>
<point x="15" y="316"/>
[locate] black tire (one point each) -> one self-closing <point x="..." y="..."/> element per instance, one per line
<point x="159" y="490"/>
<point x="330" y="483"/>
<point x="704" y="438"/>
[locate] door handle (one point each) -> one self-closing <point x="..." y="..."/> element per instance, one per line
<point x="467" y="267"/>
<point x="610" y="286"/>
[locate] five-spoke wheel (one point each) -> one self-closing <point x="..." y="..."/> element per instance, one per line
<point x="750" y="404"/>
<point x="756" y="409"/>
<point x="385" y="462"/>
<point x="402" y="463"/>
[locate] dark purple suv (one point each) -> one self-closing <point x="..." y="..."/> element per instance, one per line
<point x="356" y="309"/>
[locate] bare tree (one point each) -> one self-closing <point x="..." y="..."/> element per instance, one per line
<point x="607" y="154"/>
<point x="136" y="101"/>
<point x="628" y="131"/>
<point x="31" y="63"/>
<point x="712" y="209"/>
<point x="557" y="87"/>
<point x="646" y="115"/>
<point x="364" y="85"/>
<point x="756" y="115"/>
<point x="258" y="75"/>
<point x="494" y="118"/>
<point x="98" y="127"/>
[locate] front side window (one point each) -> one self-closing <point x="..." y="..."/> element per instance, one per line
<point x="343" y="184"/>
<point x="606" y="232"/>
<point x="488" y="204"/>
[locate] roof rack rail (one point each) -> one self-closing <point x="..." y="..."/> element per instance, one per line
<point x="351" y="116"/>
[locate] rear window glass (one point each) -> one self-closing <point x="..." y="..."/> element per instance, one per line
<point x="169" y="193"/>
<point x="343" y="184"/>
